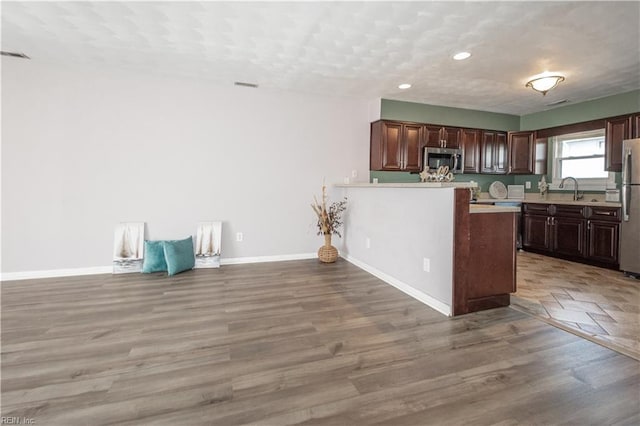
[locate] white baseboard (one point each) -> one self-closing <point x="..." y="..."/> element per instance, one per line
<point x="261" y="259"/>
<point x="405" y="288"/>
<point x="53" y="273"/>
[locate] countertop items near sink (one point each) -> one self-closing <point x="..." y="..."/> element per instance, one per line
<point x="408" y="185"/>
<point x="594" y="200"/>
<point x="586" y="202"/>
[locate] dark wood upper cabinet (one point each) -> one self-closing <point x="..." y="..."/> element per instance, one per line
<point x="412" y="138"/>
<point x="521" y="152"/>
<point x="540" y="156"/>
<point x="487" y="146"/>
<point x="470" y="141"/>
<point x="451" y="137"/>
<point x="501" y="157"/>
<point x="433" y="138"/>
<point x="617" y="129"/>
<point x="493" y="152"/>
<point x="396" y="146"/>
<point x="442" y="137"/>
<point x="636" y="126"/>
<point x="385" y="145"/>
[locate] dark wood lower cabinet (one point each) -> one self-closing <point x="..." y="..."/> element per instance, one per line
<point x="568" y="235"/>
<point x="535" y="232"/>
<point x="603" y="241"/>
<point x="484" y="272"/>
<point x="567" y="231"/>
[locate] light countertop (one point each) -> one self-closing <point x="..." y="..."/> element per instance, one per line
<point x="483" y="208"/>
<point x="408" y="185"/>
<point x="594" y="200"/>
<point x="586" y="202"/>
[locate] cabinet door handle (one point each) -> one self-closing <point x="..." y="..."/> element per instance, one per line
<point x="602" y="212"/>
<point x="588" y="224"/>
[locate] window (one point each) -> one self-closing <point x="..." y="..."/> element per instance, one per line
<point x="581" y="155"/>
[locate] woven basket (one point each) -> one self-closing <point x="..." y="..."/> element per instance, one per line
<point x="327" y="253"/>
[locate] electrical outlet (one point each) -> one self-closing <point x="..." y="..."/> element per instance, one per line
<point x="354" y="173"/>
<point x="239" y="237"/>
<point x="367" y="243"/>
<point x="426" y="264"/>
<point x="527" y="184"/>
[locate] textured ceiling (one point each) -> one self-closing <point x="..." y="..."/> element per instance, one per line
<point x="360" y="48"/>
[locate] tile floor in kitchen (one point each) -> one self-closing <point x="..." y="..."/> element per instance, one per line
<point x="599" y="304"/>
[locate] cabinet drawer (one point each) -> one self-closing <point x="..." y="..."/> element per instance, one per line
<point x="536" y="208"/>
<point x="566" y="210"/>
<point x="605" y="213"/>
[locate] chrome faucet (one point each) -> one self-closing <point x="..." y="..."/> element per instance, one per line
<point x="576" y="195"/>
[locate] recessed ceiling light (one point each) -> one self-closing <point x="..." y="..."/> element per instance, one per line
<point x="404" y="86"/>
<point x="461" y="55"/>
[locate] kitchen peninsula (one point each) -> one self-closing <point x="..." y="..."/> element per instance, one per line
<point x="426" y="240"/>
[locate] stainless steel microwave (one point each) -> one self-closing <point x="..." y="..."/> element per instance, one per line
<point x="433" y="158"/>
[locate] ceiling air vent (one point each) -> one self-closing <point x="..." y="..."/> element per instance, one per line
<point x="240" y="83"/>
<point x="14" y="54"/>
<point x="561" y="101"/>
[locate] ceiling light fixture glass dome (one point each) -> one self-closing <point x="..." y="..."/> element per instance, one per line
<point x="404" y="86"/>
<point x="544" y="82"/>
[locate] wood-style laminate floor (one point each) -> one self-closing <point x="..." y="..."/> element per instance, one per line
<point x="599" y="304"/>
<point x="290" y="343"/>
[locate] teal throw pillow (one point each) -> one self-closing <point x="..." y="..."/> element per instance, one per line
<point x="154" y="260"/>
<point x="179" y="255"/>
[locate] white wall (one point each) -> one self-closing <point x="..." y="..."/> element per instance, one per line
<point x="83" y="150"/>
<point x="404" y="225"/>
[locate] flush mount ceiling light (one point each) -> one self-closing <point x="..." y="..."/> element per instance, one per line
<point x="404" y="86"/>
<point x="461" y="56"/>
<point x="544" y="82"/>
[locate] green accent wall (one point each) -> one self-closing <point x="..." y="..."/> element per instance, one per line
<point x="610" y="106"/>
<point x="459" y="117"/>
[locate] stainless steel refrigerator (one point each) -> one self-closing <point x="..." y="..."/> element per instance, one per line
<point x="630" y="226"/>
